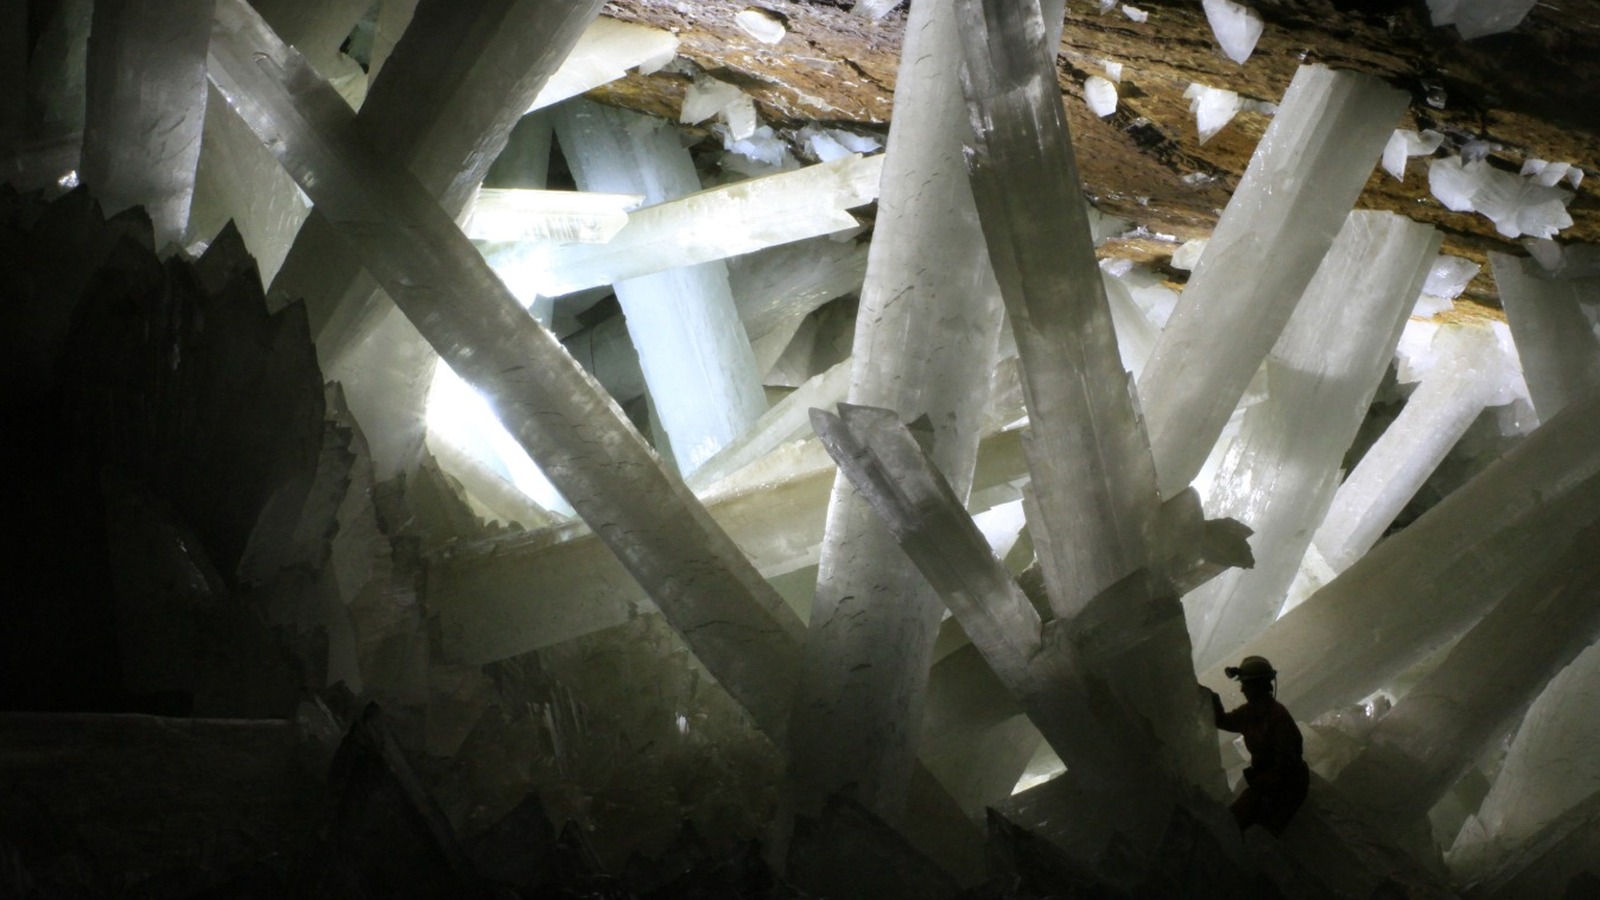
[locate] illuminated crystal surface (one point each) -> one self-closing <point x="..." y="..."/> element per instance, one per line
<point x="1304" y="177"/>
<point x="1094" y="485"/>
<point x="145" y="108"/>
<point x="692" y="346"/>
<point x="1513" y="519"/>
<point x="1555" y="340"/>
<point x="1280" y="471"/>
<point x="706" y="226"/>
<point x="873" y="621"/>
<point x="1469" y="370"/>
<point x="723" y="609"/>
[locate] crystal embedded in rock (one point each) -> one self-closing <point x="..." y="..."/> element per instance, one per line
<point x="1305" y="175"/>
<point x="1236" y="27"/>
<point x="603" y="54"/>
<point x="1517" y="205"/>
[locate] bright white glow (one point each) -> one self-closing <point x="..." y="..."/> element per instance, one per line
<point x="463" y="417"/>
<point x="563" y="216"/>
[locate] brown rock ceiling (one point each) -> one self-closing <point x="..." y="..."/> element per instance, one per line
<point x="1532" y="92"/>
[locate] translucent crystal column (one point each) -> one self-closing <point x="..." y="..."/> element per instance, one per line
<point x="1040" y="666"/>
<point x="713" y="224"/>
<point x="692" y="347"/>
<point x="1469" y="373"/>
<point x="460" y="78"/>
<point x="975" y="738"/>
<point x="735" y="624"/>
<point x="925" y="344"/>
<point x="1423" y="586"/>
<point x="1560" y="355"/>
<point x="144" y="108"/>
<point x="776" y="289"/>
<point x="510" y="595"/>
<point x="1280" y="470"/>
<point x="1449" y="719"/>
<point x="1550" y="770"/>
<point x="1094" y="485"/>
<point x="1306" y="173"/>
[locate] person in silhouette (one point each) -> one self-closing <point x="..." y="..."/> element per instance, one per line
<point x="1277" y="778"/>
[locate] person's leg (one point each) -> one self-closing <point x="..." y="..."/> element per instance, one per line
<point x="1247" y="808"/>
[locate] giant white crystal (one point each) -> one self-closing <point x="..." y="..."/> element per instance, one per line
<point x="716" y="600"/>
<point x="925" y="343"/>
<point x="1305" y="174"/>
<point x="1555" y="341"/>
<point x="1451" y="565"/>
<point x="1468" y="371"/>
<point x="709" y="225"/>
<point x="1282" y="467"/>
<point x="692" y="347"/>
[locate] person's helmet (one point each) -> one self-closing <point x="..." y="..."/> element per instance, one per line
<point x="1251" y="668"/>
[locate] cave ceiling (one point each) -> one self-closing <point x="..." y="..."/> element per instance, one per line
<point x="1527" y="94"/>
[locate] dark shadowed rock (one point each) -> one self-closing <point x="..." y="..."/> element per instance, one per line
<point x="849" y="854"/>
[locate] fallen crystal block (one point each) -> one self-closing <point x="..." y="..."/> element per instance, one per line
<point x="1212" y="107"/>
<point x="1236" y="27"/>
<point x="1135" y="13"/>
<point x="1101" y="95"/>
